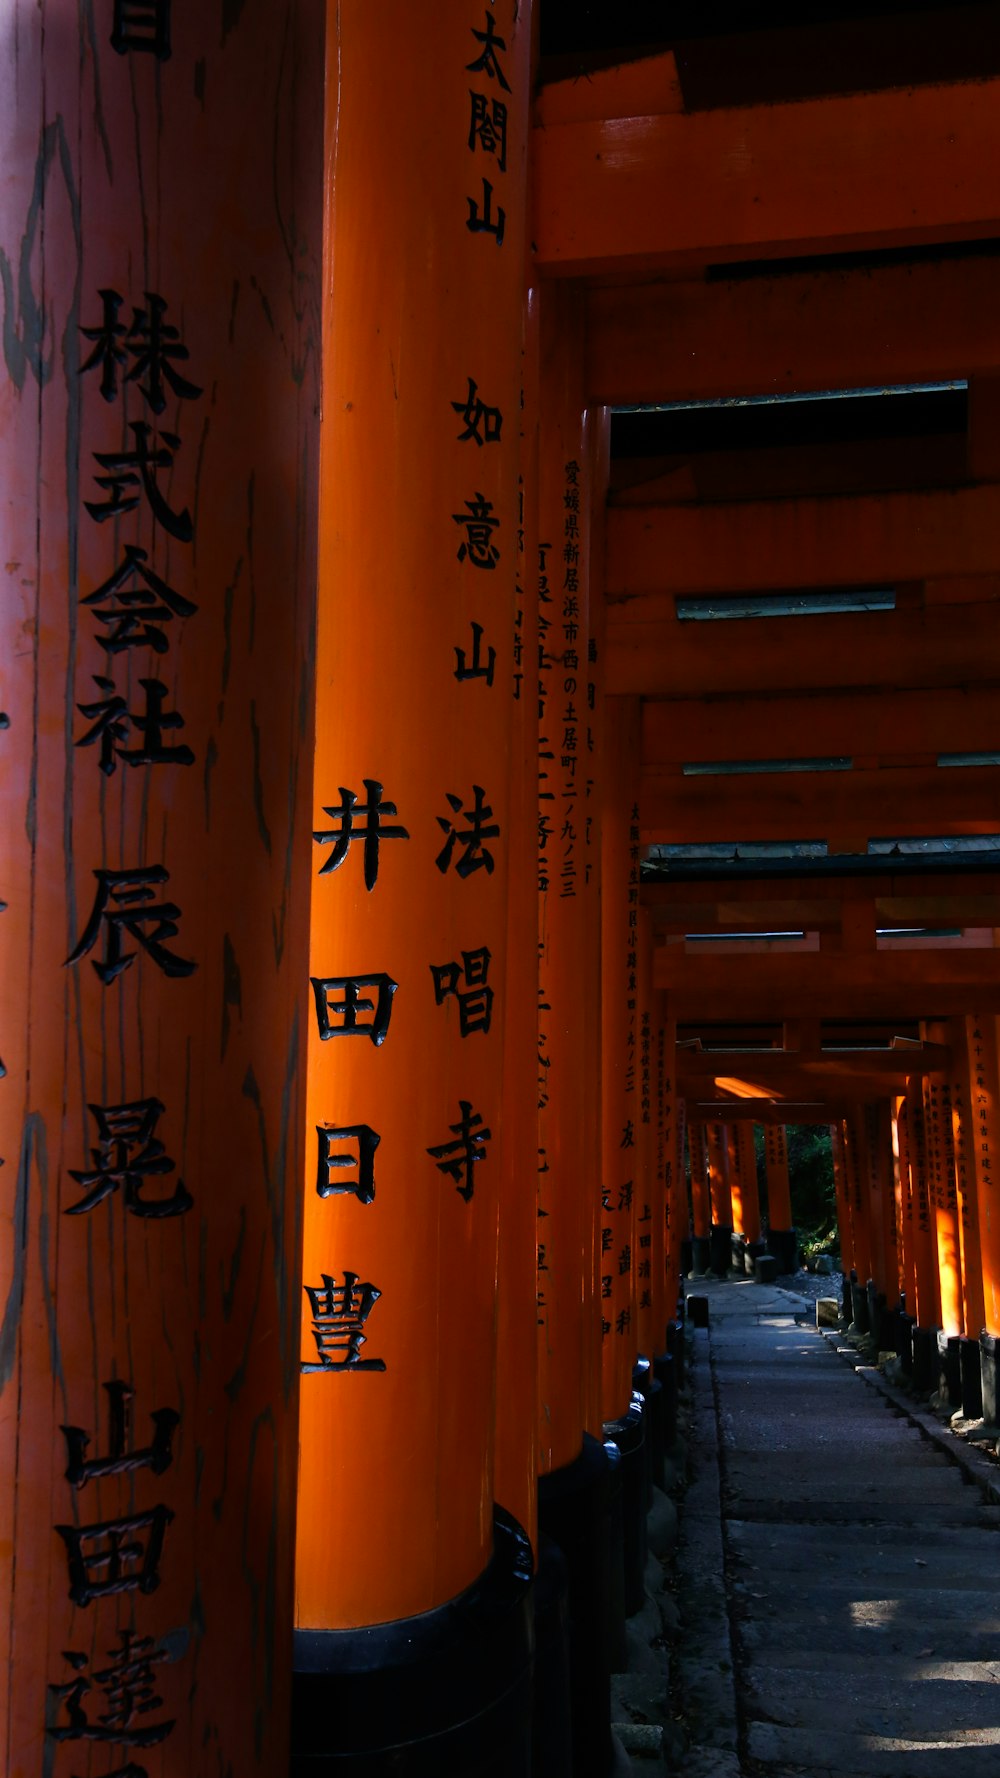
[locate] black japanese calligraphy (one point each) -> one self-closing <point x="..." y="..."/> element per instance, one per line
<point x="121" y="1559"/>
<point x="481" y="219"/>
<point x="458" y="1159"/>
<point x="127" y="1155"/>
<point x="130" y="474"/>
<point x="487" y="62"/>
<point x="353" y="1004"/>
<point x="135" y="615"/>
<point x="121" y="1458"/>
<point x="152" y="342"/>
<point x="129" y="1687"/>
<point x="372" y="829"/>
<point x="479" y="524"/>
<point x="110" y="720"/>
<point x="126" y="905"/>
<point x="142" y="26"/>
<point x="476" y="670"/>
<point x="475" y="999"/>
<point x="475" y="854"/>
<point x="331" y="1164"/>
<point x="340" y="1312"/>
<point x="481" y="423"/>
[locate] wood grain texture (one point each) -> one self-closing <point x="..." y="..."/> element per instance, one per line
<point x="193" y="178"/>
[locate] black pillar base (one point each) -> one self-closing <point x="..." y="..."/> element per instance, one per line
<point x="988" y="1373"/>
<point x="701" y="1256"/>
<point x="720" y="1249"/>
<point x="446" y="1694"/>
<point x="950" y="1369"/>
<point x="628" y="1434"/>
<point x="972" y="1379"/>
<point x="698" y="1310"/>
<point x="675" y="1342"/>
<point x="551" y="1716"/>
<point x="859" y="1307"/>
<point x="575" y="1511"/>
<point x="656" y="1428"/>
<point x="784" y="1244"/>
<point x="924" y="1359"/>
<point x="665" y="1367"/>
<point x="904" y="1342"/>
<point x="847" y="1280"/>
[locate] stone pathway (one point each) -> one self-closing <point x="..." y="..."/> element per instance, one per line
<point x="839" y="1577"/>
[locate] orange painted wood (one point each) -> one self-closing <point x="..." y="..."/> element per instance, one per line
<point x="872" y="169"/>
<point x="649" y="651"/>
<point x="855" y="1166"/>
<point x="902" y="1191"/>
<point x="751" y="906"/>
<point x="701" y="1203"/>
<point x="568" y="964"/>
<point x="619" y="91"/>
<point x="748" y="1174"/>
<point x="516" y="1467"/>
<point x="649" y="1189"/>
<point x="973" y="1298"/>
<point x="837" y="725"/>
<point x="868" y="466"/>
<point x="779" y="1199"/>
<point x="620" y="1090"/>
<point x="927" y="1302"/>
<point x="734" y="1160"/>
<point x="944" y="1195"/>
<point x="718" y="1176"/>
<point x="152" y="1139"/>
<point x="845" y="1222"/>
<point x="850" y="540"/>
<point x="417" y="583"/>
<point x="686" y="340"/>
<point x="904" y="984"/>
<point x="599" y="433"/>
<point x="670" y="1163"/>
<point x="984" y="1120"/>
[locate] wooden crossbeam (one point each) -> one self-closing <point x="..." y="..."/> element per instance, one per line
<point x="818" y="805"/>
<point x="891" y="168"/>
<point x="767" y="1111"/>
<point x="812" y="915"/>
<point x="851" y="540"/>
<point x="840" y="329"/>
<point x="860" y="722"/>
<point x="898" y="984"/>
<point x="650" y="652"/>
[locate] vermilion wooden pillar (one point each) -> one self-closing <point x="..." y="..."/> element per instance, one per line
<point x="516" y="1397"/>
<point x="904" y="1200"/>
<point x="670" y="1167"/>
<point x="568" y="988"/>
<point x="748" y="1175"/>
<point x="620" y="1027"/>
<point x="649" y="1194"/>
<point x="701" y="1203"/>
<point x="927" y="1307"/>
<point x="963" y="1135"/>
<point x="419" y="562"/>
<point x="779" y="1198"/>
<point x="842" y="1190"/>
<point x="984" y="1095"/>
<point x="939" y="1139"/>
<point x="158" y="451"/>
<point x="591" y="1104"/>
<point x="718" y="1176"/>
<point x="857" y="1183"/>
<point x="734" y="1161"/>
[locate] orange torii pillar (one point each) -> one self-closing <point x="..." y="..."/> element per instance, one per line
<point x="415" y="726"/>
<point x="575" y="1470"/>
<point x="782" y="1239"/>
<point x="857" y="1186"/>
<point x="516" y="1468"/>
<point x="884" y="1296"/>
<point x="845" y="1221"/>
<point x="984" y="1119"/>
<point x="973" y="1295"/>
<point x="701" y="1202"/>
<point x="159" y="451"/>
<point x="721" y="1239"/>
<point x="905" y="1204"/>
<point x="621" y="1118"/>
<point x="751" y="1193"/>
<point x="927" y="1307"/>
<point x="940" y="1138"/>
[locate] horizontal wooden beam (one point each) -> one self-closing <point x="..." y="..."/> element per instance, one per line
<point x="817" y="805"/>
<point x="900" y="985"/>
<point x="932" y="889"/>
<point x="774" y="1066"/>
<point x="766" y="1111"/>
<point x="860" y="722"/>
<point x="871" y="540"/>
<point x="889" y="168"/>
<point x="812" y="915"/>
<point x="864" y="466"/>
<point x="650" y="652"/>
<point x="841" y="329"/>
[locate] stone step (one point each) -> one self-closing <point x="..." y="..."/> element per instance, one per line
<point x="787" y="1541"/>
<point x="869" y="1703"/>
<point x="817" y="1512"/>
<point x="838" y="1753"/>
<point x="977" y="1639"/>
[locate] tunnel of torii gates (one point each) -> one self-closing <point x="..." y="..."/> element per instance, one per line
<point x="354" y="1004"/>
